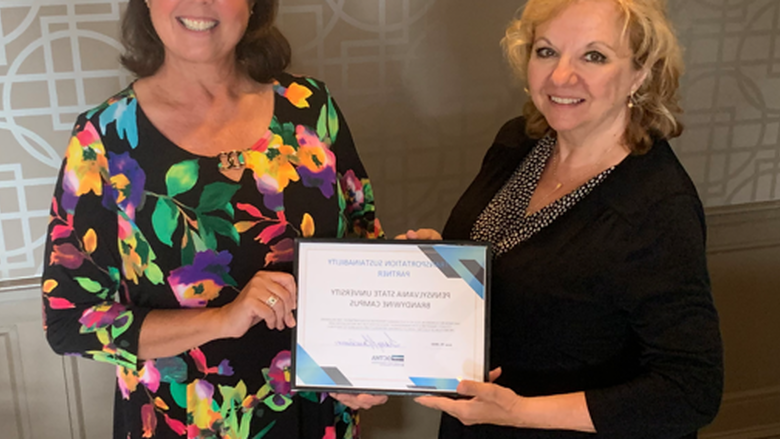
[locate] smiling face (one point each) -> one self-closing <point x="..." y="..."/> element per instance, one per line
<point x="580" y="72"/>
<point x="200" y="31"/>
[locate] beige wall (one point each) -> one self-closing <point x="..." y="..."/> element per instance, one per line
<point x="744" y="259"/>
<point x="424" y="88"/>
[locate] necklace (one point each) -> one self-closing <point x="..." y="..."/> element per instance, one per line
<point x="560" y="183"/>
<point x="235" y="160"/>
<point x="232" y="164"/>
<point x="231" y="160"/>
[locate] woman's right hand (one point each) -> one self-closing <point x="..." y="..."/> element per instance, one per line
<point x="421" y="234"/>
<point x="269" y="296"/>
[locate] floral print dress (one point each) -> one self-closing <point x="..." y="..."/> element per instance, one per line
<point x="138" y="223"/>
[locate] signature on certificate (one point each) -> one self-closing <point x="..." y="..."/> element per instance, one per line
<point x="366" y="341"/>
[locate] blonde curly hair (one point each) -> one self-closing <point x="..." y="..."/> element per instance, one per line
<point x="655" y="49"/>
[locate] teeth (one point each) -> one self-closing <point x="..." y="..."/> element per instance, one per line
<point x="565" y="101"/>
<point x="197" y="25"/>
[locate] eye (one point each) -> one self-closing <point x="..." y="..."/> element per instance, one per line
<point x="595" y="57"/>
<point x="544" y="52"/>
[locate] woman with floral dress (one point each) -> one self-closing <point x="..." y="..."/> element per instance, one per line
<point x="171" y="236"/>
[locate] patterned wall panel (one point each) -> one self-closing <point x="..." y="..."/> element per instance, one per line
<point x="57" y="57"/>
<point x="423" y="85"/>
<point x="421" y="82"/>
<point x="731" y="97"/>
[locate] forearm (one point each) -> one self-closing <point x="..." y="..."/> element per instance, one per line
<point x="166" y="333"/>
<point x="555" y="412"/>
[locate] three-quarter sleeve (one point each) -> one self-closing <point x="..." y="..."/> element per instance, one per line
<point x="665" y="292"/>
<point x="356" y="195"/>
<point x="83" y="281"/>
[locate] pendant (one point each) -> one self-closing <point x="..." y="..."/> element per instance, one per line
<point x="231" y="161"/>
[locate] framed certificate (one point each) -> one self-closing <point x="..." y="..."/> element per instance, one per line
<point x="392" y="317"/>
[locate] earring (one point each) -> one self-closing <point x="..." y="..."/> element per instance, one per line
<point x="632" y="102"/>
<point x="527" y="92"/>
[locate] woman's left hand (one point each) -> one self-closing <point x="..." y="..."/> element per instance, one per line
<point x="360" y="401"/>
<point x="491" y="403"/>
<point x="421" y="234"/>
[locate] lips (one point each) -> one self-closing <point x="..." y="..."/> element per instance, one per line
<point x="198" y="24"/>
<point x="566" y="101"/>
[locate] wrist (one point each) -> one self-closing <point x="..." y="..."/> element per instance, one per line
<point x="216" y="323"/>
<point x="519" y="412"/>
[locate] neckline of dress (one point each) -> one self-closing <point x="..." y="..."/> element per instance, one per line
<point x="543" y="149"/>
<point x="267" y="135"/>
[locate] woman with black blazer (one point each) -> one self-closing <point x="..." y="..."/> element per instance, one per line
<point x="602" y="317"/>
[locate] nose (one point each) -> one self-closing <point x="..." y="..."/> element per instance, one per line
<point x="564" y="73"/>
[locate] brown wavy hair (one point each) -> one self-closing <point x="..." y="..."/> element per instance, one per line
<point x="655" y="49"/>
<point x="263" y="51"/>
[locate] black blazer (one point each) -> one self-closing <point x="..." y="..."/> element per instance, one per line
<point x="612" y="298"/>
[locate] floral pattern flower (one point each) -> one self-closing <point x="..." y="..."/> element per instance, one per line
<point x="197" y="284"/>
<point x="86" y="166"/>
<point x="317" y="162"/>
<point x="295" y="93"/>
<point x="279" y="373"/>
<point x="353" y="191"/>
<point x="127" y="182"/>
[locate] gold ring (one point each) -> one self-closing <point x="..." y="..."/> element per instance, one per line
<point x="271" y="301"/>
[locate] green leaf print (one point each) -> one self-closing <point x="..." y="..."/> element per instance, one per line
<point x="122" y="358"/>
<point x="154" y="274"/>
<point x="342" y="230"/>
<point x="368" y="192"/>
<point x="179" y="394"/>
<point x="172" y="369"/>
<point x="188" y="248"/>
<point x="144" y="252"/>
<point x="228" y="279"/>
<point x="206" y="232"/>
<point x="182" y="177"/>
<point x="246" y="422"/>
<point x="271" y="402"/>
<point x="288" y="135"/>
<point x="231" y="422"/>
<point x="213" y="224"/>
<point x="116" y="276"/>
<point x="101" y="356"/>
<point x="274" y="126"/>
<point x="116" y="331"/>
<point x="194" y="244"/>
<point x="165" y="220"/>
<point x="313" y="83"/>
<point x="89" y="284"/>
<point x="265" y="390"/>
<point x="103" y="337"/>
<point x="200" y="244"/>
<point x="264" y="431"/>
<point x="232" y="397"/>
<point x="216" y="196"/>
<point x="272" y="154"/>
<point x="322" y="124"/>
<point x="333" y="121"/>
<point x="142" y="247"/>
<point x="311" y="396"/>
